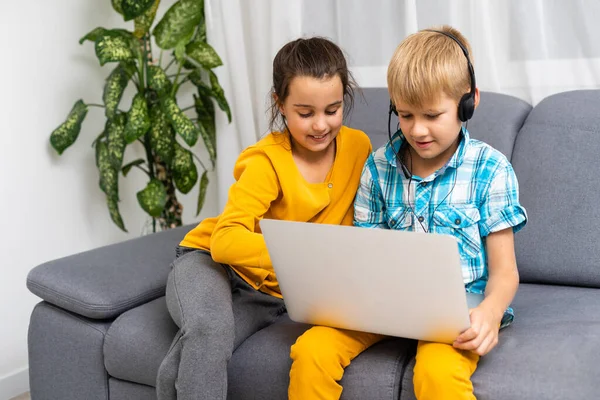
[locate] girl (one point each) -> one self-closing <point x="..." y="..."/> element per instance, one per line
<point x="222" y="288"/>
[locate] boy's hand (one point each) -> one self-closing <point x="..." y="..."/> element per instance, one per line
<point x="482" y="336"/>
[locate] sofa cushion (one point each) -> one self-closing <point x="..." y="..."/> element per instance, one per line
<point x="551" y="351"/>
<point x="259" y="369"/>
<point x="556" y="161"/>
<point x="497" y="121"/>
<point x="137" y="342"/>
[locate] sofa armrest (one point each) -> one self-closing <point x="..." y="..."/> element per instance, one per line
<point x="105" y="282"/>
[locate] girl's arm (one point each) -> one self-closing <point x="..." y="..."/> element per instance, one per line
<point x="234" y="240"/>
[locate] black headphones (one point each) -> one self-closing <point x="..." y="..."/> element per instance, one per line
<point x="466" y="108"/>
<point x="466" y="105"/>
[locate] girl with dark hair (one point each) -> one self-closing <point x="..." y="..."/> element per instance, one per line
<point x="222" y="288"/>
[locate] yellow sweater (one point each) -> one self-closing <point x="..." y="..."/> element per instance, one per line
<point x="269" y="185"/>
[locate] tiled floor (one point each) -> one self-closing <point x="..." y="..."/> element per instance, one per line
<point x="24" y="396"/>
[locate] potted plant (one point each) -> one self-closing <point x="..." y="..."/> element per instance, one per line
<point x="154" y="120"/>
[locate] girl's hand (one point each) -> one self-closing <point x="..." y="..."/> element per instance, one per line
<point x="482" y="336"/>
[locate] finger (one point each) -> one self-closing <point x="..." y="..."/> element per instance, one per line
<point x="467" y="335"/>
<point x="485" y="346"/>
<point x="476" y="341"/>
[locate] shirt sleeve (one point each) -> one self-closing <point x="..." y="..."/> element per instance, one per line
<point x="500" y="208"/>
<point x="369" y="207"/>
<point x="234" y="240"/>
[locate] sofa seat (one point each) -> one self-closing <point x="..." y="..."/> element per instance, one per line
<point x="138" y="340"/>
<point x="552" y="348"/>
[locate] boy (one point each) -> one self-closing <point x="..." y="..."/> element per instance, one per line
<point x="432" y="177"/>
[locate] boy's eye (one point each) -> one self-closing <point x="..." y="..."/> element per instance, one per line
<point x="432" y="116"/>
<point x="406" y="116"/>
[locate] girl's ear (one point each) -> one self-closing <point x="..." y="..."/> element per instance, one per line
<point x="279" y="105"/>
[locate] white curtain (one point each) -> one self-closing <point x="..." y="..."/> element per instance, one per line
<point x="526" y="48"/>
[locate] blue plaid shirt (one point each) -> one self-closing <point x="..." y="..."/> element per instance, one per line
<point x="474" y="194"/>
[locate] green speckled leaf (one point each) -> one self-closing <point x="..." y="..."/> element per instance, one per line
<point x="178" y="22"/>
<point x="202" y="193"/>
<point x="134" y="8"/>
<point x="117" y="5"/>
<point x="180" y="48"/>
<point x="204" y="54"/>
<point x="219" y="94"/>
<point x="157" y="80"/>
<point x="182" y="125"/>
<point x="144" y="22"/>
<point x="125" y="170"/>
<point x="153" y="198"/>
<point x="161" y="135"/>
<point x="93" y="35"/>
<point x="185" y="173"/>
<point x="215" y="90"/>
<point x="113" y="90"/>
<point x="115" y="134"/>
<point x="206" y="120"/>
<point x="66" y="134"/>
<point x="99" y="32"/>
<point x="138" y="119"/>
<point x="116" y="46"/>
<point x="115" y="215"/>
<point x="201" y="31"/>
<point x="109" y="177"/>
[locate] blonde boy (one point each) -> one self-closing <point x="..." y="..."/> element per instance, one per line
<point x="432" y="177"/>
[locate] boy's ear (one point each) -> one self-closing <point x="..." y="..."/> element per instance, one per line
<point x="476" y="97"/>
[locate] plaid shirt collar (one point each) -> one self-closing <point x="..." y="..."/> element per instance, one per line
<point x="455" y="161"/>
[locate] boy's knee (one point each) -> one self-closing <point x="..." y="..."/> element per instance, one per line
<point x="313" y="350"/>
<point x="442" y="365"/>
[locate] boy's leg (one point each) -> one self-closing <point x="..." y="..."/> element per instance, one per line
<point x="443" y="372"/>
<point x="319" y="358"/>
<point x="216" y="311"/>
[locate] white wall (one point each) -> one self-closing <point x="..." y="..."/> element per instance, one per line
<point x="51" y="206"/>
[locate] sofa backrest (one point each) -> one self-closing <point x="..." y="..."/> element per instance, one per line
<point x="556" y="160"/>
<point x="496" y="121"/>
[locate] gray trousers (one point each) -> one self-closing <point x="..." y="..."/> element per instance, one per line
<point x="216" y="311"/>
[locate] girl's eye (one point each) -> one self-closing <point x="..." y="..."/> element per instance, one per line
<point x="305" y="115"/>
<point x="332" y="112"/>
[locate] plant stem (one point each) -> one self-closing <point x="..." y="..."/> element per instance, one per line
<point x="175" y="85"/>
<point x="144" y="63"/>
<point x="184" y="80"/>
<point x="143" y="169"/>
<point x="149" y="156"/>
<point x="160" y="58"/>
<point x="187" y="108"/>
<point x="95" y="105"/>
<point x="200" y="161"/>
<point x="169" y="64"/>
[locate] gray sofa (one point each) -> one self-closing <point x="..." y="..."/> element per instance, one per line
<point x="102" y="328"/>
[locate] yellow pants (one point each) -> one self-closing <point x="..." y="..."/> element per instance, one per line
<point x="321" y="354"/>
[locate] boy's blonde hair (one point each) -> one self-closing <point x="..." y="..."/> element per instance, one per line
<point x="427" y="63"/>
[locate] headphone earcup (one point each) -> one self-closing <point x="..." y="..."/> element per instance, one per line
<point x="466" y="107"/>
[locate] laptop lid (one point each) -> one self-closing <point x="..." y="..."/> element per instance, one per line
<point x="383" y="281"/>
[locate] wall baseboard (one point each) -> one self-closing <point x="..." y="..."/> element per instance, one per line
<point x="14" y="384"/>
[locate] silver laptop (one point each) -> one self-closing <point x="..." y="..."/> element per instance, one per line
<point x="383" y="281"/>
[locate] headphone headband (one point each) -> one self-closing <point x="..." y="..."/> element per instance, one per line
<point x="465" y="52"/>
